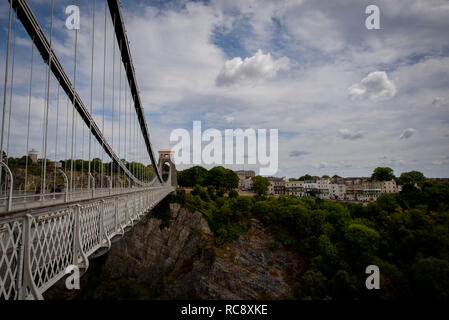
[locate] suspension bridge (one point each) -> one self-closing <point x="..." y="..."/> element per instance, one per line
<point x="78" y="168"/>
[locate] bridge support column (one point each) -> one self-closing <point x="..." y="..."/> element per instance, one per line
<point x="167" y="157"/>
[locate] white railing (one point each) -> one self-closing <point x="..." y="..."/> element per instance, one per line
<point x="22" y="201"/>
<point x="36" y="249"/>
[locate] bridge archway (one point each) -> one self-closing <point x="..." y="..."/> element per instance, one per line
<point x="166" y="159"/>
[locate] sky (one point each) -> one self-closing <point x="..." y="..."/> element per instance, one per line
<point x="345" y="99"/>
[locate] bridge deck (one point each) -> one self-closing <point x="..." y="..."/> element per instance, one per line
<point x="37" y="246"/>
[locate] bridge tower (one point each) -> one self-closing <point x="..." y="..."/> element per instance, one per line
<point x="166" y="157"/>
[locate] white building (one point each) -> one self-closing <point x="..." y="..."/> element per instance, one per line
<point x="294" y="187"/>
<point x="389" y="187"/>
<point x="323" y="188"/>
<point x="337" y="191"/>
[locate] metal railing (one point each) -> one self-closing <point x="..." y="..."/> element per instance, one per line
<point x="36" y="248"/>
<point x="20" y="201"/>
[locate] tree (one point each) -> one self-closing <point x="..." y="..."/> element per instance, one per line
<point x="362" y="240"/>
<point x="314" y="285"/>
<point x="325" y="176"/>
<point x="220" y="177"/>
<point x="232" y="179"/>
<point x="412" y="178"/>
<point x="306" y="177"/>
<point x="383" y="174"/>
<point x="260" y="185"/>
<point x="431" y="277"/>
<point x="233" y="194"/>
<point x="192" y="176"/>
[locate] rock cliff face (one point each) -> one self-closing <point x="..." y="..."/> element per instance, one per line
<point x="179" y="260"/>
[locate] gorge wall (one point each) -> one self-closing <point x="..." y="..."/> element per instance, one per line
<point x="170" y="254"/>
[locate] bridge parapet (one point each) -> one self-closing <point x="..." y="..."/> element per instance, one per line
<point x="36" y="248"/>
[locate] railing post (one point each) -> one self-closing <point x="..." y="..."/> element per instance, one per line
<point x="109" y="184"/>
<point x="128" y="217"/>
<point x="78" y="246"/>
<point x="102" y="230"/>
<point x="28" y="280"/>
<point x="11" y="184"/>
<point x="116" y="214"/>
<point x="92" y="184"/>
<point x="66" y="184"/>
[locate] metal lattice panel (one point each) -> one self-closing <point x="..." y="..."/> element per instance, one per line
<point x="121" y="210"/>
<point x="36" y="250"/>
<point x="52" y="241"/>
<point x="90" y="226"/>
<point x="109" y="217"/>
<point x="10" y="256"/>
<point x="131" y="208"/>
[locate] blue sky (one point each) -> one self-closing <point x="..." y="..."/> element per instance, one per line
<point x="345" y="99"/>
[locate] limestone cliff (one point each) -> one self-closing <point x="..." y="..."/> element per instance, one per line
<point x="177" y="259"/>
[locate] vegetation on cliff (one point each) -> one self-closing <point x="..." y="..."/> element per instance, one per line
<point x="406" y="235"/>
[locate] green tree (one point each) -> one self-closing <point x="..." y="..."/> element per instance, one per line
<point x="192" y="176"/>
<point x="220" y="177"/>
<point x="314" y="285"/>
<point x="260" y="185"/>
<point x="383" y="174"/>
<point x="431" y="277"/>
<point x="362" y="240"/>
<point x="412" y="178"/>
<point x="233" y="194"/>
<point x="306" y="177"/>
<point x="343" y="286"/>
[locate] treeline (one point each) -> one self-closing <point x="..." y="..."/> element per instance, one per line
<point x="219" y="178"/>
<point x="96" y="166"/>
<point x="406" y="235"/>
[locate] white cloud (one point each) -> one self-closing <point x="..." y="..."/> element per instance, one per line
<point x="257" y="67"/>
<point x="323" y="165"/>
<point x="376" y="86"/>
<point x="349" y="135"/>
<point x="407" y="133"/>
<point x="229" y="119"/>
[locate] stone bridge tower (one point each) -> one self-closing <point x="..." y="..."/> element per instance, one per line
<point x="166" y="157"/>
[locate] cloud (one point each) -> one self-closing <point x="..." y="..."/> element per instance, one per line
<point x="255" y="68"/>
<point x="349" y="135"/>
<point x="298" y="153"/>
<point x="323" y="165"/>
<point x="376" y="86"/>
<point x="439" y="102"/>
<point x="229" y="119"/>
<point x="407" y="133"/>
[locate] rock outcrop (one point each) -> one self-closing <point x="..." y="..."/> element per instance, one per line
<point x="178" y="259"/>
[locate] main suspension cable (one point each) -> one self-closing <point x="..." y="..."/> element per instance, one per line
<point x="91" y="94"/>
